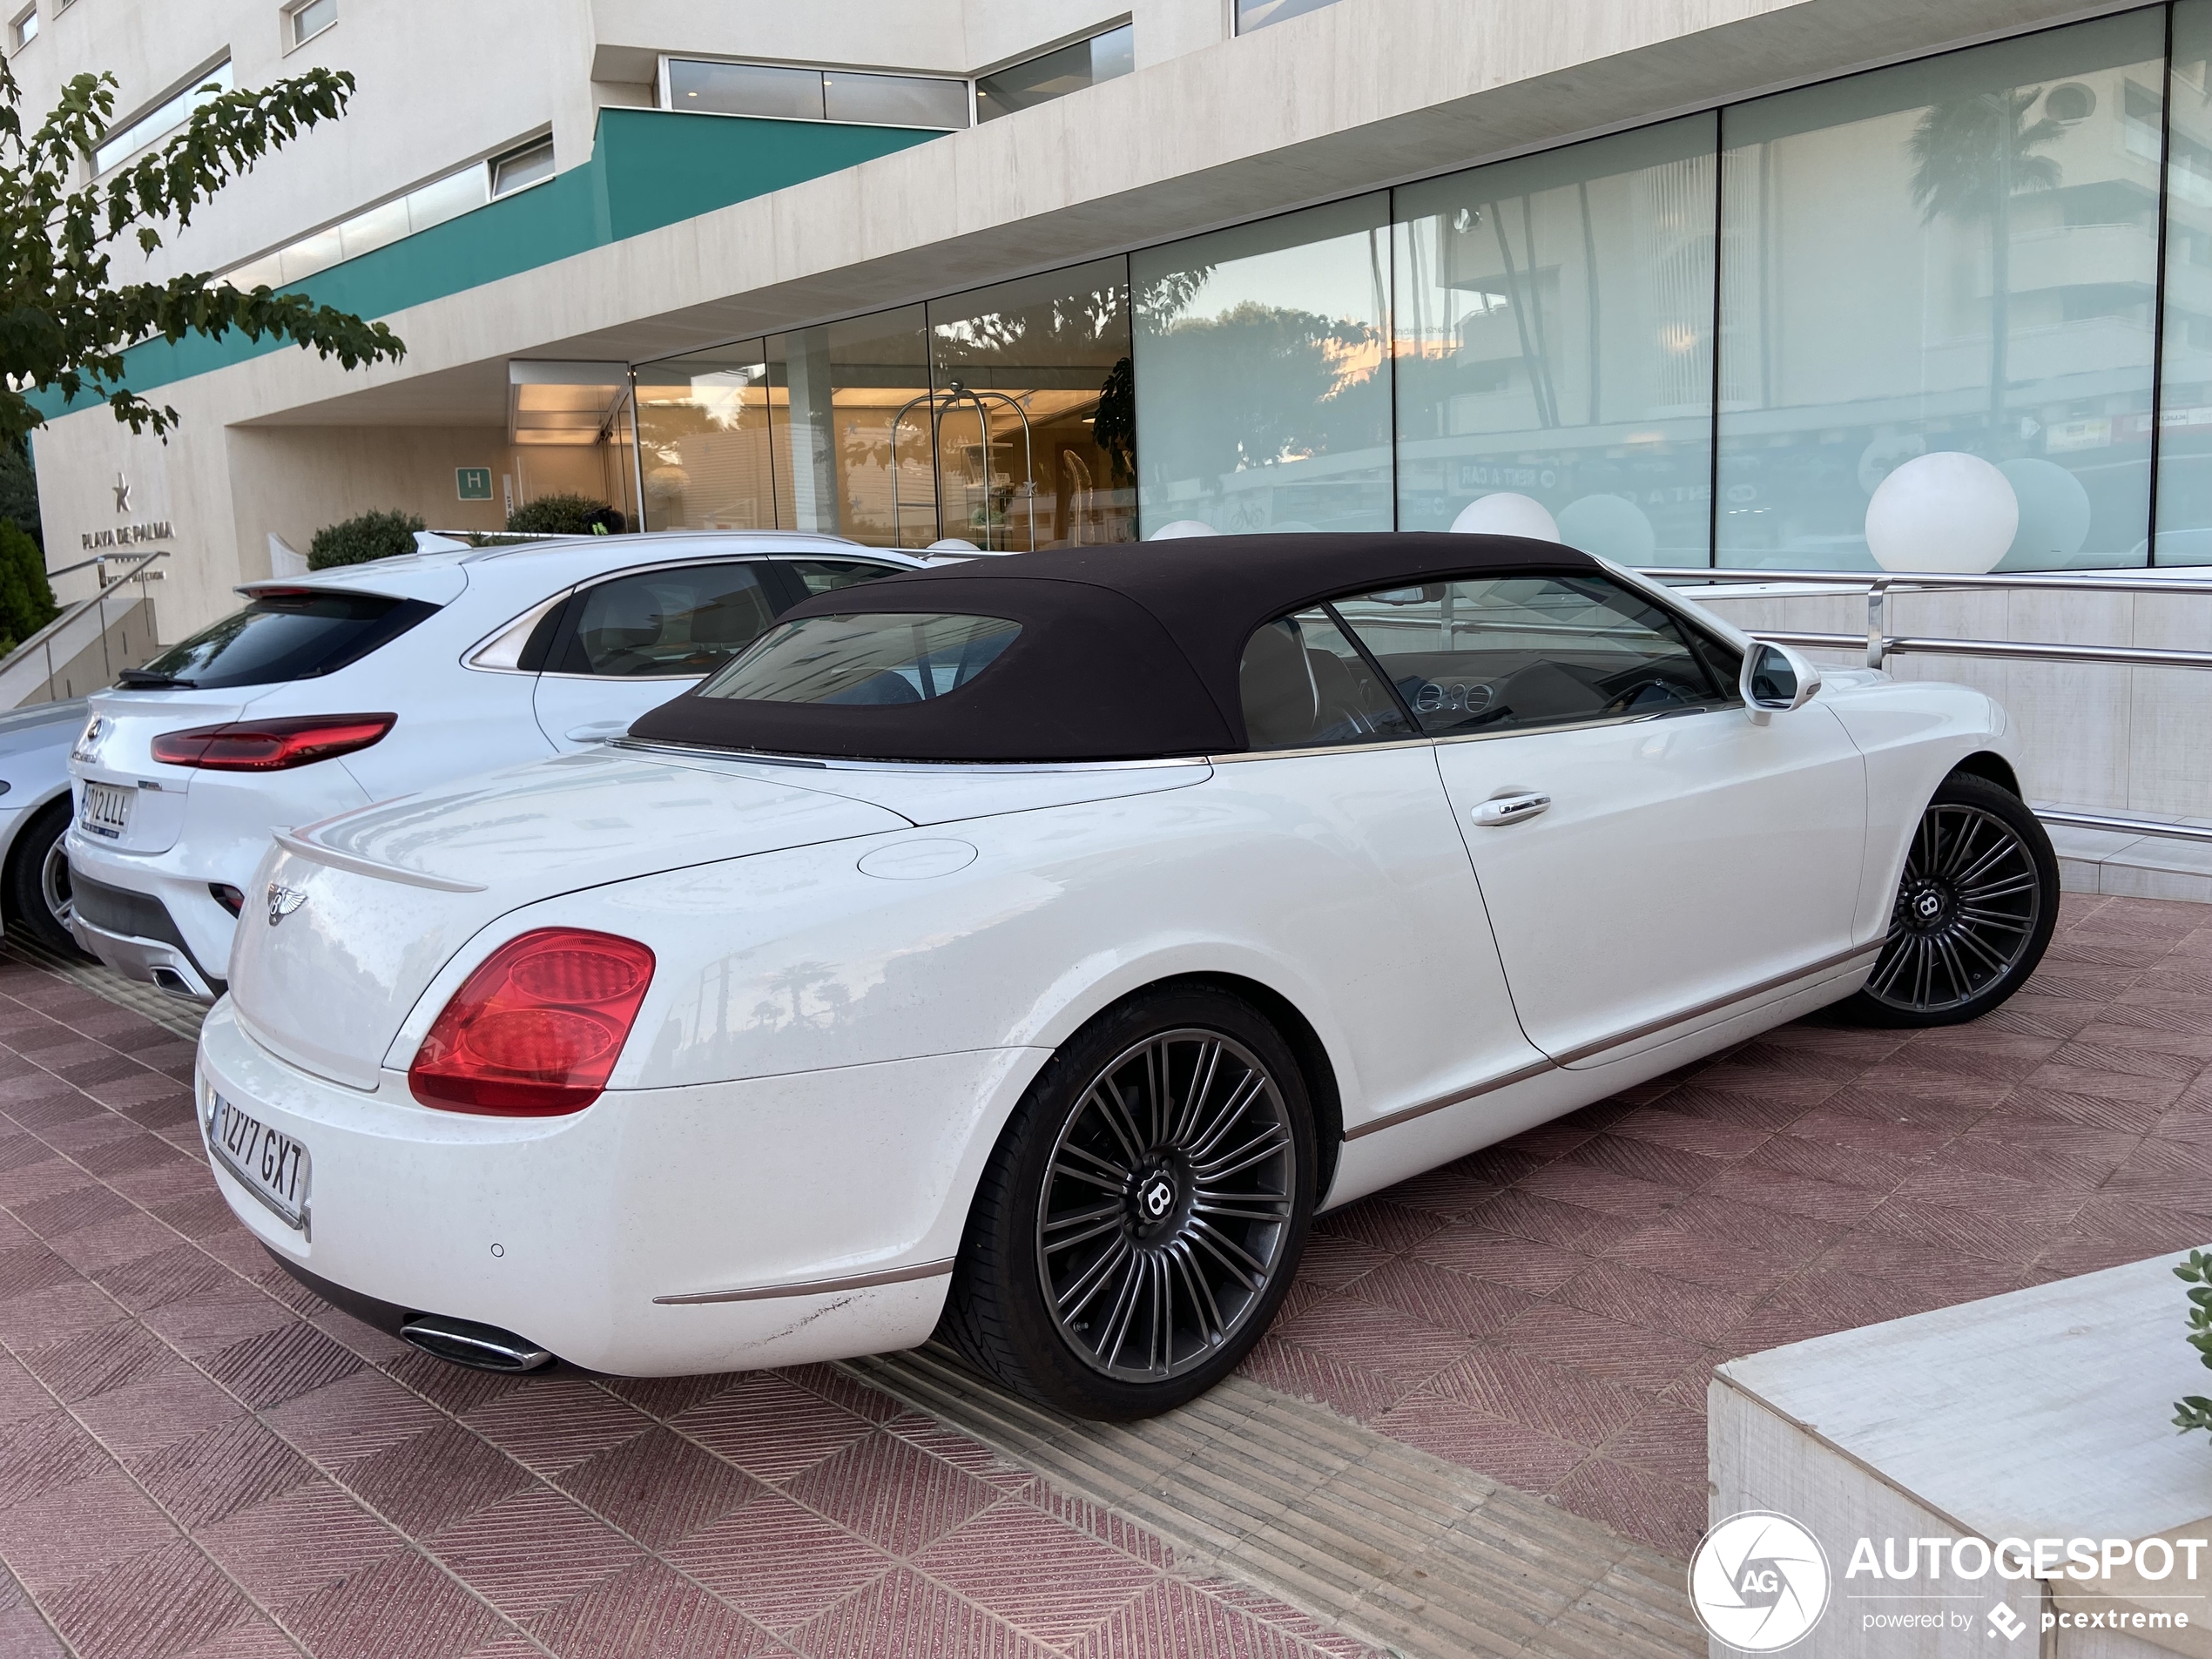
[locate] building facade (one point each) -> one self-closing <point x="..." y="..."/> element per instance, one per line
<point x="1696" y="274"/>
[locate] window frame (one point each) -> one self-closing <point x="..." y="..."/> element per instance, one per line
<point x="17" y="39"/>
<point x="515" y="152"/>
<point x="1694" y="635"/>
<point x="554" y="634"/>
<point x="662" y="96"/>
<point x="290" y="13"/>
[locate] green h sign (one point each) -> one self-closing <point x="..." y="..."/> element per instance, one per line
<point x="472" y="483"/>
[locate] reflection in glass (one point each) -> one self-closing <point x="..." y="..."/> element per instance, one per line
<point x="1263" y="384"/>
<point x="1033" y="411"/>
<point x="894" y="100"/>
<point x="1555" y="337"/>
<point x="1959" y="253"/>
<point x="2185" y="410"/>
<point x="1055" y="74"/>
<point x="876" y="658"/>
<point x="849" y="418"/>
<point x="745" y="88"/>
<point x="703" y="441"/>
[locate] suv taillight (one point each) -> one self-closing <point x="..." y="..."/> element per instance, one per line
<point x="535" y="1031"/>
<point x="272" y="745"/>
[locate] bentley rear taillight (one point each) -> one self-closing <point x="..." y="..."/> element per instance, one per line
<point x="535" y="1031"/>
<point x="272" y="745"/>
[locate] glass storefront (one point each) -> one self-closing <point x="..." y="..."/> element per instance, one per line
<point x="1262" y="373"/>
<point x="1555" y="337"/>
<point x="1960" y="255"/>
<point x="1709" y="340"/>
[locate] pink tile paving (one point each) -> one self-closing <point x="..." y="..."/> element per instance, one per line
<point x="200" y="1460"/>
<point x="197" y="1457"/>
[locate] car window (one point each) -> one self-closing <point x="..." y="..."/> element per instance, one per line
<point x="686" y="621"/>
<point x="1499" y="653"/>
<point x="1305" y="684"/>
<point x="827" y="575"/>
<point x="886" y="657"/>
<point x="286" y="634"/>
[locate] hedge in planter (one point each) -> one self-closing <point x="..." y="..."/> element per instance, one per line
<point x="356" y="541"/>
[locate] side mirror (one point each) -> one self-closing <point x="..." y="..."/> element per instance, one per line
<point x="1775" y="680"/>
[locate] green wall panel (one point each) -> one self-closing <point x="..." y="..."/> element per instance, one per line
<point x="648" y="168"/>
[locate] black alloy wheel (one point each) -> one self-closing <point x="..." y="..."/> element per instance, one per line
<point x="1974" y="910"/>
<point x="1144" y="1212"/>
<point x="35" y="884"/>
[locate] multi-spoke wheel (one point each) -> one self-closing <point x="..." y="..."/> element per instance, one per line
<point x="1144" y="1212"/>
<point x="1974" y="909"/>
<point x="36" y="880"/>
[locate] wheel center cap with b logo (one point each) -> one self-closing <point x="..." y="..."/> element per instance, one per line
<point x="1157" y="1197"/>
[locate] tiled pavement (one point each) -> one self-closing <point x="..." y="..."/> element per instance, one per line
<point x="196" y="1458"/>
<point x="1548" y="1310"/>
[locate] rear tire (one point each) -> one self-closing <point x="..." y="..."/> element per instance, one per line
<point x="1973" y="913"/>
<point x="35" y="885"/>
<point x="1144" y="1212"/>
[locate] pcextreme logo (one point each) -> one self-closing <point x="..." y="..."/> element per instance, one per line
<point x="1759" y="1581"/>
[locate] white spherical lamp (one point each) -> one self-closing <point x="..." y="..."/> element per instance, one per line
<point x="1613" y="526"/>
<point x="1179" y="529"/>
<point x="952" y="544"/>
<point x="1506" y="513"/>
<point x="1946" y="514"/>
<point x="2055" y="512"/>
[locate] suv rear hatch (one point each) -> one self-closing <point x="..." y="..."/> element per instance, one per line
<point x="286" y="633"/>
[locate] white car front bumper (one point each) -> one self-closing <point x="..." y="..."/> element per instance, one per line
<point x="567" y="1230"/>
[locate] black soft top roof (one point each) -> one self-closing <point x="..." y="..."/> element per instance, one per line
<point x="1126" y="653"/>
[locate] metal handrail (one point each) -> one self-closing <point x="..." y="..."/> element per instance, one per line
<point x="1879" y="643"/>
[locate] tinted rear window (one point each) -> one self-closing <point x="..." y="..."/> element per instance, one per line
<point x="886" y="657"/>
<point x="293" y="635"/>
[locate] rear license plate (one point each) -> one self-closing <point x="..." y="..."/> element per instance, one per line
<point x="274" y="1168"/>
<point x="106" y="809"/>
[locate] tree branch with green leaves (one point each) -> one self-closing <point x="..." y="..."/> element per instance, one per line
<point x="65" y="321"/>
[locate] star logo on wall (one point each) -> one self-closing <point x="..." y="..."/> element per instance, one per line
<point x="122" y="494"/>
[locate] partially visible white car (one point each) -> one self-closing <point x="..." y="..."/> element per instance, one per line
<point x="329" y="692"/>
<point x="34" y="818"/>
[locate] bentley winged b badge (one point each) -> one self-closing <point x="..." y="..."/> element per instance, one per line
<point x="284" y="901"/>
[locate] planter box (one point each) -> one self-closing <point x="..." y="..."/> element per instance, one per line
<point x="2042" y="1414"/>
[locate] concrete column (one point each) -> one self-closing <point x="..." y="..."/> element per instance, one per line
<point x="810" y="450"/>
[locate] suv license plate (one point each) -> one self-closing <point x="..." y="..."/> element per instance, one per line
<point x="106" y="809"/>
<point x="274" y="1168"/>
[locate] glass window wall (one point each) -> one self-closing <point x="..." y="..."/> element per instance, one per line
<point x="1554" y="339"/>
<point x="702" y="435"/>
<point x="2185" y="407"/>
<point x="1262" y="376"/>
<point x="848" y="414"/>
<point x="1055" y="74"/>
<point x="1033" y="423"/>
<point x="1954" y="254"/>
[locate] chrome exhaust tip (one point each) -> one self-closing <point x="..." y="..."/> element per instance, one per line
<point x="463" y="1342"/>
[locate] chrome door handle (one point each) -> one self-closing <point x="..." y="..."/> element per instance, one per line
<point x="1510" y="809"/>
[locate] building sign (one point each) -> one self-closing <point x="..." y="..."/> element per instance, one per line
<point x="126" y="535"/>
<point x="472" y="483"/>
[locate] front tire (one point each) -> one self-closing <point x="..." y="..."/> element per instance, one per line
<point x="1144" y="1212"/>
<point x="1974" y="910"/>
<point x="37" y="883"/>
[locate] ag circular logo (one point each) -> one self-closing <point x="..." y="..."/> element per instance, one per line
<point x="1759" y="1581"/>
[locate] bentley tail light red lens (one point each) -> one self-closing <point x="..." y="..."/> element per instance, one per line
<point x="272" y="745"/>
<point x="535" y="1031"/>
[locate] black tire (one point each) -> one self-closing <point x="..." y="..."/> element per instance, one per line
<point x="36" y="880"/>
<point x="1973" y="913"/>
<point x="1063" y="1204"/>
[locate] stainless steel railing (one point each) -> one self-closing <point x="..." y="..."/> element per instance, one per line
<point x="1879" y="644"/>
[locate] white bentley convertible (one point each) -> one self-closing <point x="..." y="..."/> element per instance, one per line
<point x="1027" y="950"/>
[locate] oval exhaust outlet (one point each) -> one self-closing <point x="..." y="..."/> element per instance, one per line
<point x="463" y="1342"/>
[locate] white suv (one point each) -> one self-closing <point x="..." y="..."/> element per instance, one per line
<point x="352" y="686"/>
